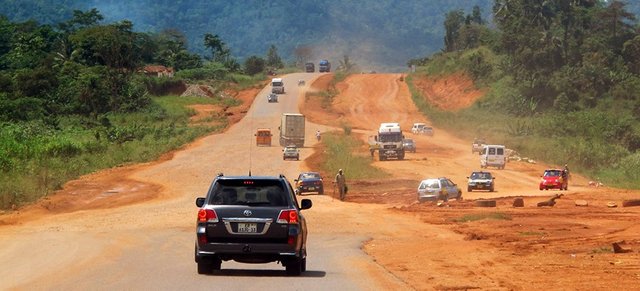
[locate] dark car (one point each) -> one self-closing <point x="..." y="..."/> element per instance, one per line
<point x="481" y="181"/>
<point x="251" y="219"/>
<point x="409" y="145"/>
<point x="309" y="182"/>
<point x="272" y="98"/>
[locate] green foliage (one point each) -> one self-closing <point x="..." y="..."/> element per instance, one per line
<point x="212" y="70"/>
<point x="254" y="65"/>
<point x="273" y="59"/>
<point x="340" y="155"/>
<point x="36" y="158"/>
<point x="485" y="215"/>
<point x="160" y="86"/>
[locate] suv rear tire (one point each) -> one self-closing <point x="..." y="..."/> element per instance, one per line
<point x="205" y="267"/>
<point x="294" y="267"/>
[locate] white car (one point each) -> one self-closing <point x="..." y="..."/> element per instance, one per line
<point x="435" y="189"/>
<point x="422" y="128"/>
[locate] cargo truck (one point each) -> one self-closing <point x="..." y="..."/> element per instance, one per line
<point x="277" y="86"/>
<point x="310" y="67"/>
<point x="324" y="66"/>
<point x="292" y="130"/>
<point x="389" y="141"/>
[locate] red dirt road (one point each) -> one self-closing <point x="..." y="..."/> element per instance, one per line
<point x="412" y="246"/>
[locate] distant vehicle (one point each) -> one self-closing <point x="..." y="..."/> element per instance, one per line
<point x="324" y="66"/>
<point x="388" y="141"/>
<point x="292" y="129"/>
<point x="477" y="145"/>
<point x="272" y="98"/>
<point x="554" y="179"/>
<point x="291" y="153"/>
<point x="251" y="219"/>
<point x="309" y="67"/>
<point x="308" y="182"/>
<point x="434" y="189"/>
<point x="277" y="86"/>
<point x="263" y="137"/>
<point x="418" y="127"/>
<point x="427" y="130"/>
<point x="493" y="156"/>
<point x="481" y="181"/>
<point x="409" y="145"/>
<point x="422" y="128"/>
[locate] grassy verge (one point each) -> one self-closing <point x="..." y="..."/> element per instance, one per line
<point x="38" y="158"/>
<point x="342" y="153"/>
<point x="481" y="216"/>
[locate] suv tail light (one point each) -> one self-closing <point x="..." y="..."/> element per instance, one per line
<point x="288" y="217"/>
<point x="207" y="215"/>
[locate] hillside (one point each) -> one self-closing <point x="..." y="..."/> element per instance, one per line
<point x="374" y="33"/>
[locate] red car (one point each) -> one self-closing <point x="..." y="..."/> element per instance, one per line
<point x="554" y="179"/>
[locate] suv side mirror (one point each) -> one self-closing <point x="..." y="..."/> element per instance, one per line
<point x="306" y="204"/>
<point x="199" y="201"/>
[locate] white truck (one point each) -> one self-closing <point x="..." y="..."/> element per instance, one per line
<point x="292" y="129"/>
<point x="389" y="141"/>
<point x="277" y="86"/>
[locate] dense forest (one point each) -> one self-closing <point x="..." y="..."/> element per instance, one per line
<point x="376" y="34"/>
<point x="563" y="80"/>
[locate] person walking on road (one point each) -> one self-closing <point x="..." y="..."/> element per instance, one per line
<point x="341" y="183"/>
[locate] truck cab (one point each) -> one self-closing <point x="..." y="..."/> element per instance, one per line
<point x="309" y="67"/>
<point x="324" y="66"/>
<point x="277" y="86"/>
<point x="389" y="141"/>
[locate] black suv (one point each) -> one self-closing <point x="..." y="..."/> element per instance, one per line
<point x="251" y="219"/>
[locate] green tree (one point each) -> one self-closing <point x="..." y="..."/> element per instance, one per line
<point x="631" y="54"/>
<point x="113" y="45"/>
<point x="273" y="59"/>
<point x="254" y="65"/>
<point x="452" y="24"/>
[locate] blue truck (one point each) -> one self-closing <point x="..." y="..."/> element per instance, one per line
<point x="324" y="66"/>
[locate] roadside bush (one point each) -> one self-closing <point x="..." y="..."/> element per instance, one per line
<point x="160" y="86"/>
<point x="61" y="147"/>
<point x="212" y="70"/>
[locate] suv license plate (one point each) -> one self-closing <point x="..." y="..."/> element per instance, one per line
<point x="247" y="227"/>
<point x="312" y="188"/>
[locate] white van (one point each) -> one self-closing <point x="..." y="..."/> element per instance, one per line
<point x="493" y="156"/>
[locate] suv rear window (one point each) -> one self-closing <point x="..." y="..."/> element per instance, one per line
<point x="252" y="192"/>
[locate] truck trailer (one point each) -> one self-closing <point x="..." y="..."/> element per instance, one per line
<point x="292" y="129"/>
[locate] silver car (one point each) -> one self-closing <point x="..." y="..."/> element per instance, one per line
<point x="435" y="189"/>
<point x="290" y="152"/>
